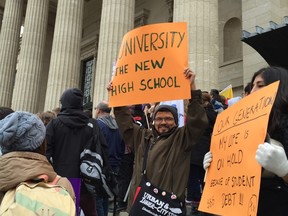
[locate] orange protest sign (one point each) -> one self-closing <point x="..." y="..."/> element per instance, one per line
<point x="150" y="65"/>
<point x="233" y="179"/>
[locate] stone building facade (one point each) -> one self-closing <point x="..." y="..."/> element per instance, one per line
<point x="49" y="45"/>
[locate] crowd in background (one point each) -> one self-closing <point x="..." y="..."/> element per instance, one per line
<point x="65" y="128"/>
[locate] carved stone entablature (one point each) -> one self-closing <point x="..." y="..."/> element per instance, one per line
<point x="89" y="47"/>
<point x="141" y="18"/>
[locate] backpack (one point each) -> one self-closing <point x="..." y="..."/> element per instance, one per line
<point x="37" y="198"/>
<point x="94" y="168"/>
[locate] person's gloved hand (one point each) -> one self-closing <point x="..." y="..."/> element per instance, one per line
<point x="272" y="158"/>
<point x="207" y="160"/>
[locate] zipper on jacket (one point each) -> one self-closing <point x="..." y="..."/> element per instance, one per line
<point x="153" y="142"/>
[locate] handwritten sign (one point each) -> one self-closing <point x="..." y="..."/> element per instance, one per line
<point x="233" y="179"/>
<point x="150" y="65"/>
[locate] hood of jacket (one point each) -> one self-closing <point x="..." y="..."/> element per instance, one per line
<point x="109" y="121"/>
<point x="71" y="113"/>
<point x="72" y="99"/>
<point x="73" y="118"/>
<point x="17" y="167"/>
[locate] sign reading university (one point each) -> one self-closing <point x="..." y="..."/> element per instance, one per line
<point x="150" y="65"/>
<point x="233" y="179"/>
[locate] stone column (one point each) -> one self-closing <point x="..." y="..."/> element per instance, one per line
<point x="202" y="23"/>
<point x="64" y="69"/>
<point x="45" y="68"/>
<point x="27" y="83"/>
<point x="9" y="45"/>
<point x="117" y="18"/>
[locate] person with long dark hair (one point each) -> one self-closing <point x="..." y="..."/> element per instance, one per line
<point x="272" y="154"/>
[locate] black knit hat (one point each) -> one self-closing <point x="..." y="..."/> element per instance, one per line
<point x="168" y="108"/>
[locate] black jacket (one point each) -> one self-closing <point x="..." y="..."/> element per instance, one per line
<point x="67" y="134"/>
<point x="273" y="194"/>
<point x="203" y="144"/>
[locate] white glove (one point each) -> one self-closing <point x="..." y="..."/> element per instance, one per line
<point x="207" y="160"/>
<point x="272" y="158"/>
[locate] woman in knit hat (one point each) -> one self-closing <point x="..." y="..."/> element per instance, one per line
<point x="22" y="144"/>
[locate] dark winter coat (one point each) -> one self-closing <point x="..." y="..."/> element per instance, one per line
<point x="113" y="138"/>
<point x="203" y="144"/>
<point x="67" y="135"/>
<point x="168" y="159"/>
<point x="17" y="167"/>
<point x="273" y="191"/>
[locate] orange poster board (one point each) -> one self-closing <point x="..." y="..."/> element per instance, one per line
<point x="150" y="65"/>
<point x="233" y="179"/>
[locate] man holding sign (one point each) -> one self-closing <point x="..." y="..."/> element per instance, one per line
<point x="167" y="149"/>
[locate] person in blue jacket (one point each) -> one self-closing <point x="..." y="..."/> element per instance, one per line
<point x="116" y="147"/>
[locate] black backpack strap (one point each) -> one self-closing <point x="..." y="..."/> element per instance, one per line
<point x="105" y="156"/>
<point x="100" y="142"/>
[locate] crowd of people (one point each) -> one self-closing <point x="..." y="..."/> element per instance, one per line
<point x="143" y="141"/>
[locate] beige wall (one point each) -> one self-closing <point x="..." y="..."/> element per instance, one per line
<point x="231" y="71"/>
<point x="158" y="10"/>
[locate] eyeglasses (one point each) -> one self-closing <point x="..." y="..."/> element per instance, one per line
<point x="166" y="119"/>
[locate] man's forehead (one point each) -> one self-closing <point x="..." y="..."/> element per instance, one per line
<point x="162" y="112"/>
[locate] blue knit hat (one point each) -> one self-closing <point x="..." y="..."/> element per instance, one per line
<point x="21" y="131"/>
